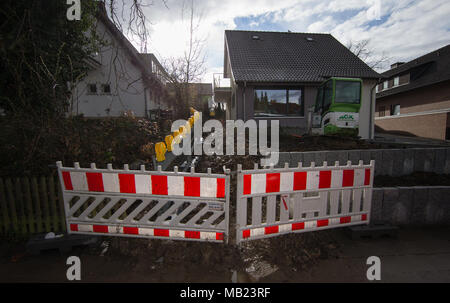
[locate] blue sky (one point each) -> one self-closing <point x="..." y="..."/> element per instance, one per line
<point x="400" y="29"/>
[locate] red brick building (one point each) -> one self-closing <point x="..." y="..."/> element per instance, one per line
<point x="415" y="97"/>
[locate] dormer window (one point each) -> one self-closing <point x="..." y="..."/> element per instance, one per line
<point x="396" y="81"/>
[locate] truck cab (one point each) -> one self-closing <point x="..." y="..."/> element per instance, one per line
<point x="337" y="106"/>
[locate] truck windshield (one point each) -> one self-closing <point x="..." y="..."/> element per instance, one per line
<point x="348" y="92"/>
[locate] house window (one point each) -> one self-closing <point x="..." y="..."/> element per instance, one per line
<point x="278" y="102"/>
<point x="385" y="84"/>
<point x="92" y="88"/>
<point x="106" y="89"/>
<point x="395" y="109"/>
<point x="404" y="79"/>
<point x="381" y="111"/>
<point x="396" y="81"/>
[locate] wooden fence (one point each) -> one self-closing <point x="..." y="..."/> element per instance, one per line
<point x="31" y="205"/>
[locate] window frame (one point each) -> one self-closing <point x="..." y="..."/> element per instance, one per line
<point x="89" y="91"/>
<point x="103" y="85"/>
<point x="392" y="111"/>
<point x="286" y="89"/>
<point x="396" y="81"/>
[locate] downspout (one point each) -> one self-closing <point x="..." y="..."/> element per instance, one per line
<point x="245" y="85"/>
<point x="145" y="101"/>
<point x="372" y="118"/>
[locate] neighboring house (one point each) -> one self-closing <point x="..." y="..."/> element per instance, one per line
<point x="287" y="68"/>
<point x="415" y="98"/>
<point x="121" y="80"/>
<point x="199" y="93"/>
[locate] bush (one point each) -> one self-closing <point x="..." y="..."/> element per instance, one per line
<point x="26" y="149"/>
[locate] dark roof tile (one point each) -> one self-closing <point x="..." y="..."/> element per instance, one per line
<point x="428" y="69"/>
<point x="290" y="57"/>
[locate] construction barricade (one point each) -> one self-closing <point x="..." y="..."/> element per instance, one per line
<point x="272" y="202"/>
<point x="152" y="204"/>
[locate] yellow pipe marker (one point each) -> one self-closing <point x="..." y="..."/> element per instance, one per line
<point x="169" y="140"/>
<point x="176" y="137"/>
<point x="182" y="131"/>
<point x="160" y="149"/>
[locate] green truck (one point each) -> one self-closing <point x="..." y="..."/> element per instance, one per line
<point x="337" y="107"/>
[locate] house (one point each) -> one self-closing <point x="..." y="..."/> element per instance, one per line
<point x="288" y="67"/>
<point x="415" y="97"/>
<point x="121" y="80"/>
<point x="201" y="95"/>
<point x="198" y="94"/>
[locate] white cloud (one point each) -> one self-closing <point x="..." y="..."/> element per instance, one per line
<point x="410" y="28"/>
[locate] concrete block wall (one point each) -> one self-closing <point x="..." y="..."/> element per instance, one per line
<point x="392" y="162"/>
<point x="418" y="205"/>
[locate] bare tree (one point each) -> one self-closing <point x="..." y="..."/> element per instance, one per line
<point x="362" y="50"/>
<point x="129" y="17"/>
<point x="190" y="67"/>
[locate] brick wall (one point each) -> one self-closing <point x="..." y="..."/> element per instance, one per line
<point x="430" y="98"/>
<point x="422" y="99"/>
<point x="426" y="126"/>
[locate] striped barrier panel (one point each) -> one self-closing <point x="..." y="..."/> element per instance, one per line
<point x="272" y="201"/>
<point x="140" y="203"/>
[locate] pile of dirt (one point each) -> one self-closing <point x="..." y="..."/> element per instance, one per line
<point x="251" y="261"/>
<point x="291" y="252"/>
<point x="155" y="254"/>
<point x="414" y="179"/>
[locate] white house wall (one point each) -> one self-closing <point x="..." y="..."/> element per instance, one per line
<point x="125" y="79"/>
<point x="366" y="116"/>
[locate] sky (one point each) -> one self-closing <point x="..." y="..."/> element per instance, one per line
<point x="400" y="29"/>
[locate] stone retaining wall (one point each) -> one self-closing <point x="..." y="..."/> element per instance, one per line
<point x="418" y="205"/>
<point x="392" y="162"/>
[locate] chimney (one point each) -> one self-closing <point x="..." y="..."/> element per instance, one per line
<point x="396" y="64"/>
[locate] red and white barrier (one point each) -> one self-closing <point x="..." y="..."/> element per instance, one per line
<point x="261" y="183"/>
<point x="147" y="204"/>
<point x="303" y="226"/>
<point x="145" y="231"/>
<point x="149" y="184"/>
<point x="300" y="199"/>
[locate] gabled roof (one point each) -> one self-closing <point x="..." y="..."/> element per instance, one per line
<point x="428" y="69"/>
<point x="257" y="56"/>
